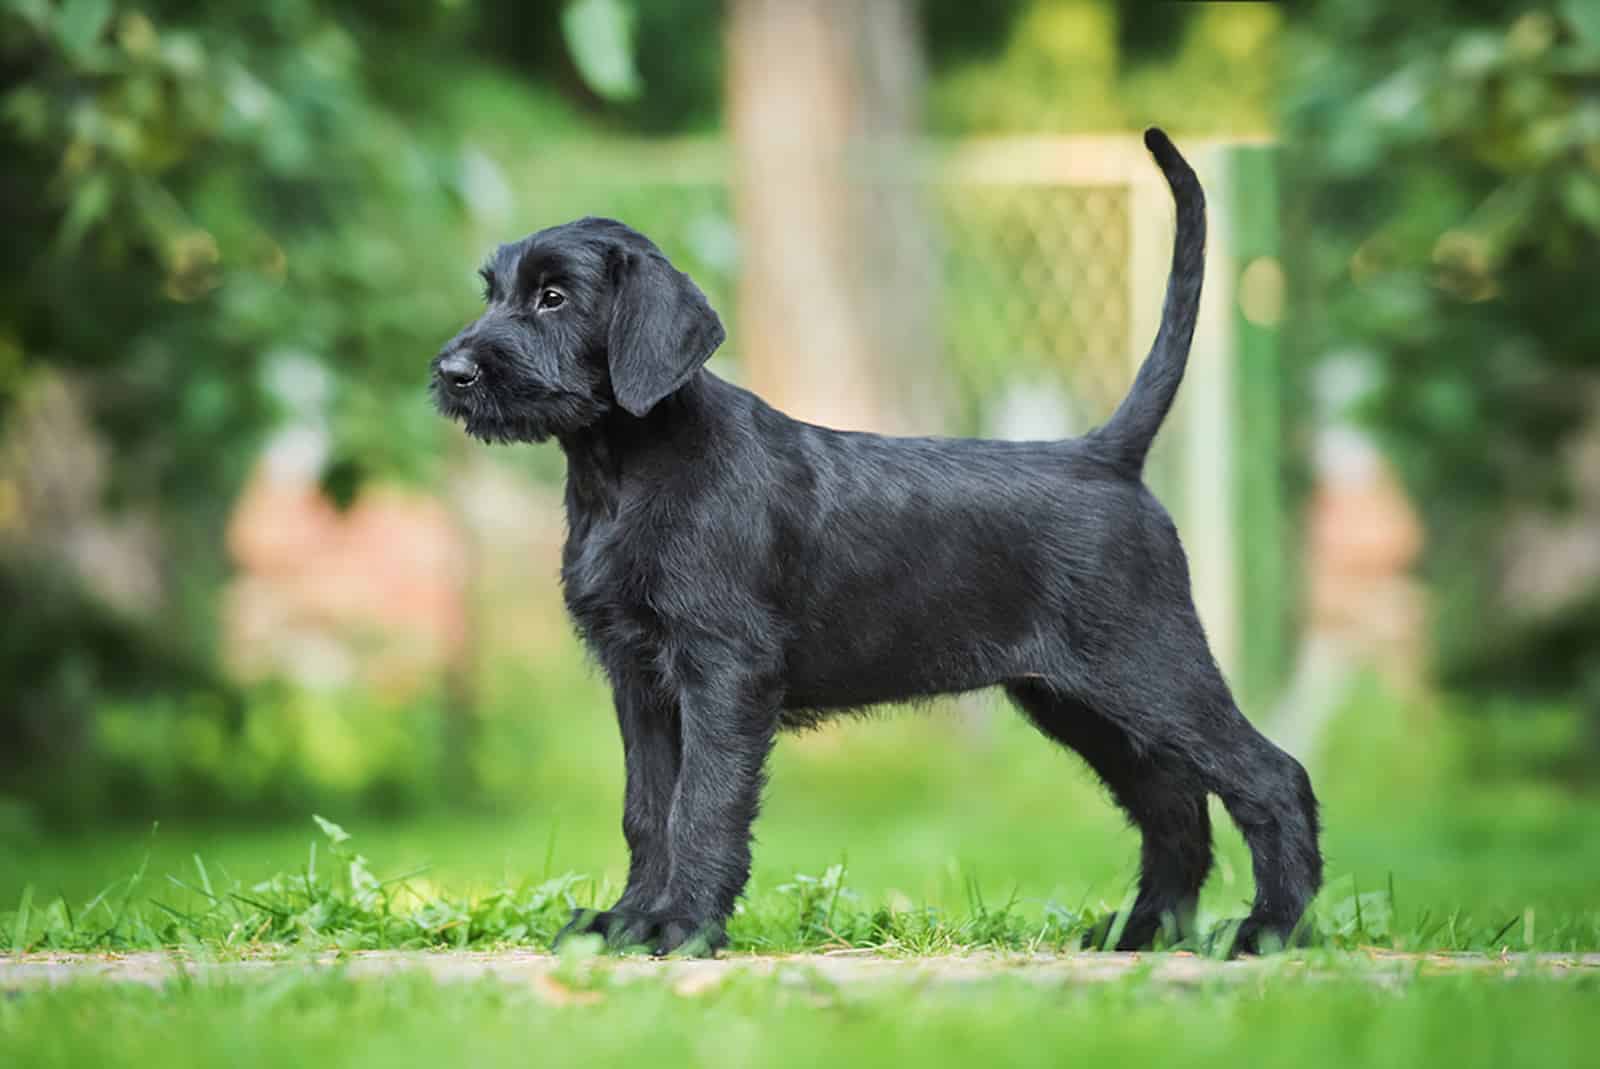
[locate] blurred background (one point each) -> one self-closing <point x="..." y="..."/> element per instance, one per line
<point x="246" y="573"/>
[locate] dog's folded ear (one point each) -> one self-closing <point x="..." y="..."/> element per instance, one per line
<point x="662" y="328"/>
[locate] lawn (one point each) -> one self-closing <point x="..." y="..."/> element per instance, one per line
<point x="901" y="836"/>
<point x="950" y="812"/>
<point x="298" y="1019"/>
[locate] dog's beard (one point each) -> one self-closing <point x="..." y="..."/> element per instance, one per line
<point x="494" y="422"/>
<point x="501" y="432"/>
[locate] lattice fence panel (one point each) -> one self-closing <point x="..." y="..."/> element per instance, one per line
<point x="1035" y="283"/>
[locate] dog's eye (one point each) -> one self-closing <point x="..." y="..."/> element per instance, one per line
<point x="549" y="299"/>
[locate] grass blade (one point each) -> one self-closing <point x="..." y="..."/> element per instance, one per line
<point x="205" y="878"/>
<point x="1494" y="940"/>
<point x="254" y="903"/>
<point x="19" y="933"/>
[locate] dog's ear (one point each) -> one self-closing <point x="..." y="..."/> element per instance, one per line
<point x="662" y="328"/>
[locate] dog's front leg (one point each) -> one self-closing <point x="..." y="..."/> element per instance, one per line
<point x="652" y="752"/>
<point x="727" y="732"/>
<point x="652" y="746"/>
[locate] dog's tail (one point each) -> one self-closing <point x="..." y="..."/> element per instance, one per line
<point x="1127" y="435"/>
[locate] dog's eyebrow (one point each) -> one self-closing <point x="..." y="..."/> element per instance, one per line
<point x="541" y="267"/>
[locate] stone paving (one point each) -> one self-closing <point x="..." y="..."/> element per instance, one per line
<point x="157" y="968"/>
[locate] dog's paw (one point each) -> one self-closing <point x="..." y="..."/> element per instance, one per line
<point x="1136" y="932"/>
<point x="1112" y="932"/>
<point x="586" y="922"/>
<point x="1255" y="937"/>
<point x="660" y="933"/>
<point x="687" y="937"/>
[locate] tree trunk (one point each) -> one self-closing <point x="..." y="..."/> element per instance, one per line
<point x="838" y="268"/>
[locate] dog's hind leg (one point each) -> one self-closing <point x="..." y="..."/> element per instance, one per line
<point x="1171" y="699"/>
<point x="1269" y="796"/>
<point x="1161" y="796"/>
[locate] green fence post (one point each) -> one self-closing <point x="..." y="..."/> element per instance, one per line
<point x="1265" y="552"/>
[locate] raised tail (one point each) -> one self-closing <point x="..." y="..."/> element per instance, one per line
<point x="1127" y="435"/>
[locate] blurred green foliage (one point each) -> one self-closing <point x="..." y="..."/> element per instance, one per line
<point x="223" y="217"/>
<point x="60" y="656"/>
<point x="218" y="218"/>
<point x="228" y="217"/>
<point x="1092" y="67"/>
<point x="1448" y="157"/>
<point x="201" y="196"/>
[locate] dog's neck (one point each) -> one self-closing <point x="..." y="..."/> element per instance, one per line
<point x="599" y="455"/>
<point x="594" y="473"/>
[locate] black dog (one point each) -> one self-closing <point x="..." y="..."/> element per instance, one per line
<point x="736" y="572"/>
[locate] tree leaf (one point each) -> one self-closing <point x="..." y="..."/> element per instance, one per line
<point x="1581" y="194"/>
<point x="89" y="205"/>
<point x="80" y="25"/>
<point x="599" y="35"/>
<point x="1585" y="18"/>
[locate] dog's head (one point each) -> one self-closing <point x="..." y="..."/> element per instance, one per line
<point x="579" y="320"/>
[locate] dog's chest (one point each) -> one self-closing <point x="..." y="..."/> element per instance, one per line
<point x="607" y="581"/>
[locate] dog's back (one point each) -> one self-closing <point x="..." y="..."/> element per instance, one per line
<point x="1037" y="551"/>
<point x="879" y="544"/>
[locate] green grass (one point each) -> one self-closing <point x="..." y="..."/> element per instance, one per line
<point x="300" y="1018"/>
<point x="336" y="899"/>
<point x="926" y="834"/>
<point x="937" y="831"/>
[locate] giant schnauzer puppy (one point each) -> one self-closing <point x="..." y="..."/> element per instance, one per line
<point x="736" y="572"/>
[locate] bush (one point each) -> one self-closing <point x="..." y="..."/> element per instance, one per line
<point x="1450" y="159"/>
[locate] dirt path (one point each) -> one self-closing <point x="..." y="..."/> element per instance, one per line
<point x="156" y="968"/>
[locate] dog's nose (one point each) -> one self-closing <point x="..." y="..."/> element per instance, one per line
<point x="458" y="369"/>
